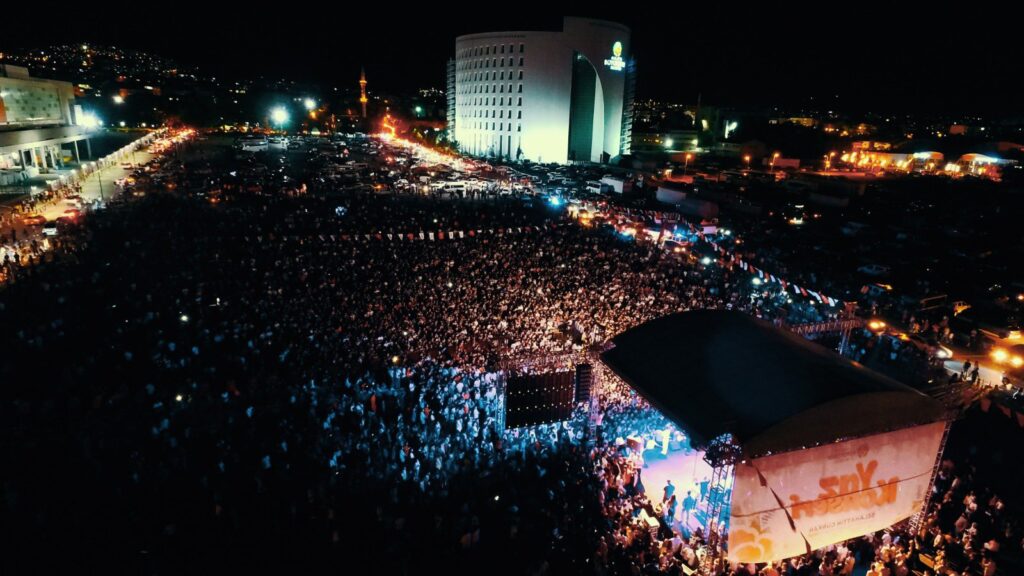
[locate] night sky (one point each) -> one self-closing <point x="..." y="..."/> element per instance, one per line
<point x="886" y="59"/>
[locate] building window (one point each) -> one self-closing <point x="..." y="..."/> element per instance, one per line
<point x="519" y="127"/>
<point x="520" y="88"/>
<point x="522" y="48"/>
<point x="520" y="115"/>
<point x="503" y="51"/>
<point x="520" y="74"/>
<point x="519" y="102"/>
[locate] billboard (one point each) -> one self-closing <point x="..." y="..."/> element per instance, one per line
<point x="785" y="505"/>
<point x="27" y="104"/>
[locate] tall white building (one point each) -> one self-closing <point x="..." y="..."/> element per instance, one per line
<point x="543" y="96"/>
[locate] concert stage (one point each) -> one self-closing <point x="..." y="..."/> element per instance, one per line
<point x="686" y="470"/>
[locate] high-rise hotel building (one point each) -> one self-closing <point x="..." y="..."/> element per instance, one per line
<point x="543" y="96"/>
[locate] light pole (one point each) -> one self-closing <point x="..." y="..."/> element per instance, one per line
<point x="771" y="165"/>
<point x="686" y="162"/>
<point x="279" y="116"/>
<point x="99" y="180"/>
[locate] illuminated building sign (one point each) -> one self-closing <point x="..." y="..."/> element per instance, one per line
<point x="616" y="62"/>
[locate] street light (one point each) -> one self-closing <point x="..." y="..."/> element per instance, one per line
<point x="775" y="157"/>
<point x="279" y="116"/>
<point x="309" y="103"/>
<point x="118" y="99"/>
<point x="686" y="162"/>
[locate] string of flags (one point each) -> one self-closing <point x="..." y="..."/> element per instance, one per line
<point x="732" y="259"/>
<point x="428" y="236"/>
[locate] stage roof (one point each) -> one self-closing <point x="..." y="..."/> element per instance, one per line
<point x="715" y="372"/>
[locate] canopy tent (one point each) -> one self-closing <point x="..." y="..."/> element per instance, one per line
<point x="715" y="372"/>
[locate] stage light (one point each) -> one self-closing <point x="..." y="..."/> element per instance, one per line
<point x="705" y="261"/>
<point x="756" y="281"/>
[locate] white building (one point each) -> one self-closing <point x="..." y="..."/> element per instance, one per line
<point x="543" y="96"/>
<point x="40" y="124"/>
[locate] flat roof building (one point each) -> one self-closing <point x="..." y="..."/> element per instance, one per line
<point x="38" y="118"/>
<point x="543" y="96"/>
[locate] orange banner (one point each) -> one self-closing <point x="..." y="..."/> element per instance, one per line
<point x="787" y="504"/>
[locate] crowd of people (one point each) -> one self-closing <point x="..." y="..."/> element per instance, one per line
<point x="271" y="380"/>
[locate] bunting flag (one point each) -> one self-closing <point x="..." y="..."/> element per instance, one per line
<point x="431" y="234"/>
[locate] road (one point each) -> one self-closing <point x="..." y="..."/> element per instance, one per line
<point x="97" y="186"/>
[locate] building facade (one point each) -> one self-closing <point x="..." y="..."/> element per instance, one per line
<point x="40" y="124"/>
<point x="543" y="96"/>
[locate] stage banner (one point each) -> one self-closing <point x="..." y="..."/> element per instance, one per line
<point x="785" y="505"/>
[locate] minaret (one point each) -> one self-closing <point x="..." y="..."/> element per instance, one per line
<point x="362" y="89"/>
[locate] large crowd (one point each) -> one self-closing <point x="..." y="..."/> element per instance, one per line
<point x="271" y="380"/>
